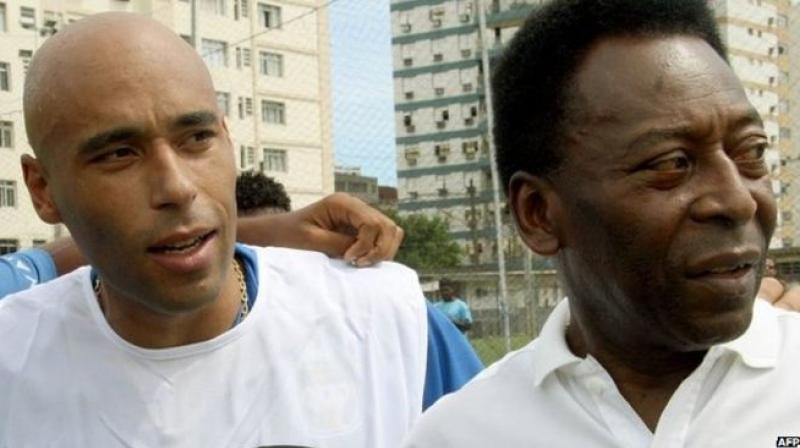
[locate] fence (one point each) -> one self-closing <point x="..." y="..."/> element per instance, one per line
<point x="396" y="90"/>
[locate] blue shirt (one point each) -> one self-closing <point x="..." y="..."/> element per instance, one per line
<point x="24" y="269"/>
<point x="451" y="360"/>
<point x="456" y="309"/>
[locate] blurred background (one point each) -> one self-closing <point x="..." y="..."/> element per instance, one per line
<point x="387" y="100"/>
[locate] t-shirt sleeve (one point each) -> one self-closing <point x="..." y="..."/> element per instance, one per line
<point x="451" y="360"/>
<point x="466" y="314"/>
<point x="23" y="269"/>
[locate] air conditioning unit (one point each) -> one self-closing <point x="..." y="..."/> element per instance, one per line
<point x="439" y="91"/>
<point x="469" y="121"/>
<point x="406" y="27"/>
<point x="441" y="152"/>
<point x="467" y="87"/>
<point x="409" y="95"/>
<point x="469" y="147"/>
<point x="437" y="23"/>
<point x="408" y="62"/>
<point x="438" y="57"/>
<point x="466" y="53"/>
<point x="441" y="124"/>
<point x="410" y="129"/>
<point x="442" y="192"/>
<point x="413" y="195"/>
<point x="464" y="18"/>
<point x="412" y="154"/>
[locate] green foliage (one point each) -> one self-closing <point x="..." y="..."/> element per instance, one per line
<point x="427" y="245"/>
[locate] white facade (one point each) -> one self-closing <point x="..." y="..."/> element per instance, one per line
<point x="270" y="63"/>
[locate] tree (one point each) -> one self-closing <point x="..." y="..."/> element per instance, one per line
<point x="427" y="244"/>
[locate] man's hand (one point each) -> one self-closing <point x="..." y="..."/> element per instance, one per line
<point x="779" y="295"/>
<point x="339" y="225"/>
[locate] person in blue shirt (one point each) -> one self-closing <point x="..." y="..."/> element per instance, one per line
<point x="453" y="307"/>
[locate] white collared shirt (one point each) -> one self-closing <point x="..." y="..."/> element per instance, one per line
<point x="744" y="394"/>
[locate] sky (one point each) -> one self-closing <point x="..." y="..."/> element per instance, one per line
<point x="363" y="98"/>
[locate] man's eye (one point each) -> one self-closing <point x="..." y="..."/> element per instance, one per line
<point x="116" y="154"/>
<point x="202" y="136"/>
<point x="672" y="164"/>
<point x="753" y="153"/>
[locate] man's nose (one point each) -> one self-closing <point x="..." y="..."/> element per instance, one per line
<point x="171" y="180"/>
<point x="725" y="195"/>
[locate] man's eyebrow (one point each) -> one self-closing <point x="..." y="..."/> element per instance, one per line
<point x="103" y="139"/>
<point x="192" y="119"/>
<point x="656" y="136"/>
<point x="751" y="116"/>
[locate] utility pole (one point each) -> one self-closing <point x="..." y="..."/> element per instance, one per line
<point x="473" y="224"/>
<point x="193" y="15"/>
<point x="498" y="218"/>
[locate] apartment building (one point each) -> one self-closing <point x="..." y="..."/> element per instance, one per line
<point x="757" y="35"/>
<point x="270" y="64"/>
<point x="441" y="111"/>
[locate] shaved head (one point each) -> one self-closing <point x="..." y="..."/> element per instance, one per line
<point x="96" y="56"/>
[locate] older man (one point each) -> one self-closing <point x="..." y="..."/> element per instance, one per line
<point x="176" y="336"/>
<point x="634" y="158"/>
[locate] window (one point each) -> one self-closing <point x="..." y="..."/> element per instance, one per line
<point x="407" y="51"/>
<point x="224" y="102"/>
<point x="8" y="246"/>
<point x="5" y="76"/>
<point x="437" y="47"/>
<point x="273" y="112"/>
<point x="275" y="160"/>
<point x="6" y="134"/>
<point x="271" y="64"/>
<point x="242" y="57"/>
<point x="25" y="56"/>
<point x="27" y="18"/>
<point x="436" y="16"/>
<point x="269" y="16"/>
<point x="213" y="6"/>
<point x="247" y="156"/>
<point x="245" y="8"/>
<point x="3" y="27"/>
<point x="405" y="22"/>
<point x="245" y="106"/>
<point x="8" y="193"/>
<point x="215" y="53"/>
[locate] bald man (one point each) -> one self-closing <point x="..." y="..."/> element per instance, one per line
<point x="175" y="336"/>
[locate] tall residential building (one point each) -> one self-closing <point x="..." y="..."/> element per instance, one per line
<point x="270" y="63"/>
<point x="440" y="108"/>
<point x="441" y="112"/>
<point x="757" y="35"/>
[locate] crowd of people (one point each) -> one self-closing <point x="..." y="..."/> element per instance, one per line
<point x="631" y="157"/>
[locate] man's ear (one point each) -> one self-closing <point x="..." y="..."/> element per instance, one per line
<point x="534" y="204"/>
<point x="39" y="189"/>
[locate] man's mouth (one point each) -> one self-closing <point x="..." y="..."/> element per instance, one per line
<point x="183" y="246"/>
<point x="730" y="271"/>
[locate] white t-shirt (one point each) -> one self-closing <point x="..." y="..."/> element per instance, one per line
<point x="744" y="394"/>
<point x="330" y="356"/>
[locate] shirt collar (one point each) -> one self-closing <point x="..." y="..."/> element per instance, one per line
<point x="757" y="347"/>
<point x="552" y="344"/>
